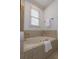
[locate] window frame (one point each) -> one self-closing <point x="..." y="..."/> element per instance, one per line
<point x="34" y="17"/>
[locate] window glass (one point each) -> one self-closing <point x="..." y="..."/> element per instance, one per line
<point x="34" y="17"/>
<point x="34" y="13"/>
<point x="34" y="21"/>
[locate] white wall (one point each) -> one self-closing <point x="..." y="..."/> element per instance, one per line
<point x="52" y="12"/>
<point x="26" y="15"/>
<point x="21" y="44"/>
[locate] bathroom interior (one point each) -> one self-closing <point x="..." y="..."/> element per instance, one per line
<point x="39" y="29"/>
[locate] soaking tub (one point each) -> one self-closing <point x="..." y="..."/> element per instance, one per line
<point x="34" y="47"/>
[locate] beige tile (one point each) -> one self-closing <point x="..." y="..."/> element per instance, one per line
<point x="35" y="33"/>
<point x="53" y="56"/>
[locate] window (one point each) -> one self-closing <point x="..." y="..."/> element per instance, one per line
<point x="34" y="17"/>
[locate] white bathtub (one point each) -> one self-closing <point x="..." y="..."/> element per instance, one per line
<point x="34" y="42"/>
<point x="34" y="47"/>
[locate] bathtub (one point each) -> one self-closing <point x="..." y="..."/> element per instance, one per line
<point x="35" y="45"/>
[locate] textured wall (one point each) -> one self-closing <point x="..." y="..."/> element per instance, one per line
<point x="29" y="33"/>
<point x="52" y="33"/>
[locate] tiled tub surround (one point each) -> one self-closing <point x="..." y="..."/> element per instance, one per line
<point x="34" y="48"/>
<point x="35" y="33"/>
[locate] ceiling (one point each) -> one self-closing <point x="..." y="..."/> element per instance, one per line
<point x="41" y="3"/>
